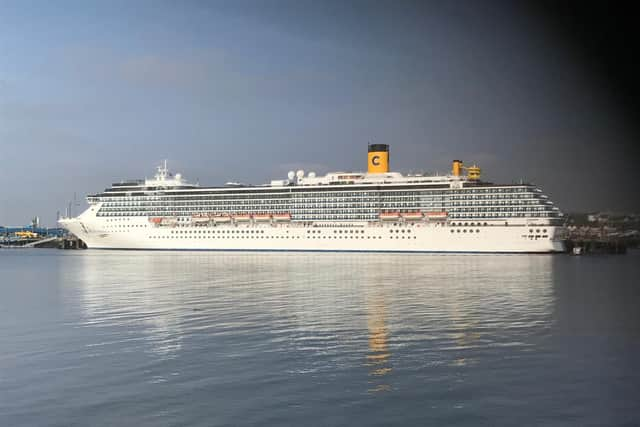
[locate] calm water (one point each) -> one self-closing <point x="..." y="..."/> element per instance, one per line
<point x="159" y="338"/>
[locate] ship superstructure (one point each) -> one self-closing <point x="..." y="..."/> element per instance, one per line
<point x="377" y="210"/>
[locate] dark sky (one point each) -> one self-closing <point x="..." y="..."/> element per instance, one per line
<point x="245" y="91"/>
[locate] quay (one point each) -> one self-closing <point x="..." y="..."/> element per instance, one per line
<point x="71" y="242"/>
<point x="63" y="242"/>
<point x="35" y="236"/>
<point x="602" y="233"/>
<point x="596" y="246"/>
<point x="43" y="238"/>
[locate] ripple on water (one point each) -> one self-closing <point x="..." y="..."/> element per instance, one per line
<point x="226" y="339"/>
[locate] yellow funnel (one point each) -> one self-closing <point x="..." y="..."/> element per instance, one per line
<point x="378" y="158"/>
<point x="456" y="169"/>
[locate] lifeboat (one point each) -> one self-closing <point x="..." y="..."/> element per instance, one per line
<point x="282" y="217"/>
<point x="389" y="216"/>
<point x="222" y="218"/>
<point x="412" y="216"/>
<point x="242" y="218"/>
<point x="262" y="217"/>
<point x="155" y="220"/>
<point x="200" y="219"/>
<point x="169" y="221"/>
<point x="436" y="216"/>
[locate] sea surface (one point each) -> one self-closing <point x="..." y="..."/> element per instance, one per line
<point x="134" y="338"/>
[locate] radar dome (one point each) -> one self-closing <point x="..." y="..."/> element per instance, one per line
<point x="300" y="173"/>
<point x="291" y="175"/>
<point x="311" y="175"/>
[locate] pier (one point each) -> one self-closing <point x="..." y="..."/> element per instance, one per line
<point x="602" y="233"/>
<point x="596" y="246"/>
<point x="71" y="242"/>
<point x="35" y="236"/>
<point x="65" y="242"/>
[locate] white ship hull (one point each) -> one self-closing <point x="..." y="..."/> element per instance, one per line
<point x="496" y="237"/>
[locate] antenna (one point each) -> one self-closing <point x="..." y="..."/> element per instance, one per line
<point x="162" y="171"/>
<point x="75" y="203"/>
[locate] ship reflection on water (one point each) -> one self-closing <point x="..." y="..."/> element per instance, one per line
<point x="318" y="315"/>
<point x="378" y="358"/>
<point x="179" y="338"/>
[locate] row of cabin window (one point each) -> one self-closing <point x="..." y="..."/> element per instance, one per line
<point x="225" y="236"/>
<point x="336" y="194"/>
<point x="340" y="210"/>
<point x="321" y="202"/>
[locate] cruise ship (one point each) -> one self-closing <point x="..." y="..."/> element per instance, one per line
<point x="373" y="211"/>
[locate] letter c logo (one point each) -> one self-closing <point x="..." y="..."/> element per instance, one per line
<point x="375" y="160"/>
